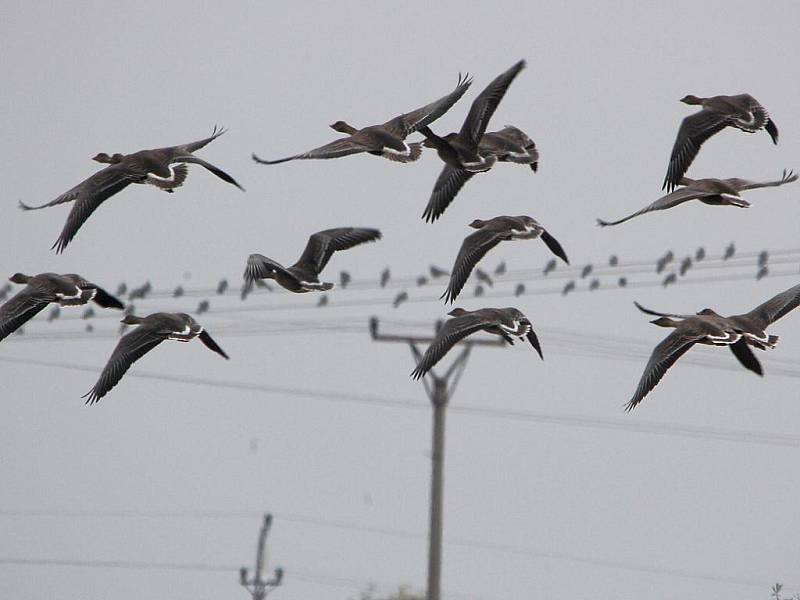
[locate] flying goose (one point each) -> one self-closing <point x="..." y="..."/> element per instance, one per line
<point x="303" y="276"/>
<point x="738" y="332"/>
<point x="508" y="323"/>
<point x="44" y="288"/>
<point x="385" y="140"/>
<point x="716" y="192"/>
<point x="741" y="111"/>
<point x="151" y="331"/>
<point x="461" y="151"/>
<point x="161" y="167"/>
<point x="489" y="234"/>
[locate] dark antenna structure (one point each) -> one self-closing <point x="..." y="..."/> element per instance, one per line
<point x="257" y="586"/>
<point x="440" y="389"/>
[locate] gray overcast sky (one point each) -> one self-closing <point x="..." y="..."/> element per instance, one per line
<point x="604" y="510"/>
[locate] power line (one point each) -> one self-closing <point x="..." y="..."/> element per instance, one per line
<point x="635" y="426"/>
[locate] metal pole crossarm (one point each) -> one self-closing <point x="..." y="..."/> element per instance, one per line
<point x="382" y="337"/>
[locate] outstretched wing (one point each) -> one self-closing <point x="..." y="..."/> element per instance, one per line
<point x="261" y="267"/>
<point x="323" y="244"/>
<point x="744" y="184"/>
<point x="673" y="199"/>
<point x="485" y="104"/>
<point x="22" y="307"/>
<point x="473" y="249"/>
<point x="447" y="186"/>
<point x="335" y="149"/>
<point x="776" y="307"/>
<point x="554" y="246"/>
<point x="663" y="357"/>
<point x="694" y="130"/>
<point x="130" y="348"/>
<point x="412" y="121"/>
<point x="190" y="158"/>
<point x="211" y="344"/>
<point x="452" y="332"/>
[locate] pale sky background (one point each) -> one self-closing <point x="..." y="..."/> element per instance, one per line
<point x="551" y="489"/>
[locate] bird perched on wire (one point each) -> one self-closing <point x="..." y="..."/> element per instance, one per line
<point x="762" y="272"/>
<point x="45" y="288"/>
<point x="400" y="298"/>
<point x="549" y="267"/>
<point x="222" y="286"/>
<point x="303" y="276"/>
<point x="729" y="251"/>
<point x="203" y="307"/>
<point x="344" y="279"/>
<point x="436" y="272"/>
<point x="178" y="292"/>
<point x="686" y="264"/>
<point x="385" y="140"/>
<point x="586" y="271"/>
<point x="718" y="112"/>
<point x="151" y="331"/>
<point x="594" y="284"/>
<point x="385" y="275"/>
<point x="164" y="168"/>
<point x="700" y="254"/>
<point x="570" y="286"/>
<point x="508" y="323"/>
<point x="669" y="279"/>
<point x="519" y="290"/>
<point x="500" y="269"/>
<point x="738" y="332"/>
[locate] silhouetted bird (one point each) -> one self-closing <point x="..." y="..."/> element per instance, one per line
<point x="478" y="291"/>
<point x="661" y="264"/>
<point x="89" y="328"/>
<point x="88" y="313"/>
<point x="178" y="292"/>
<point x="202" y="307"/>
<point x="122" y="288"/>
<point x="762" y="272"/>
<point x="500" y="269"/>
<point x="586" y="271"/>
<point x="763" y="258"/>
<point x="55" y="312"/>
<point x="613" y="261"/>
<point x="482" y="276"/>
<point x="164" y="168"/>
<point x="729" y="251"/>
<point x="422" y="280"/>
<point x="568" y="288"/>
<point x="519" y="290"/>
<point x="686" y="264"/>
<point x="594" y="284"/>
<point x="436" y="272"/>
<point x="508" y="323"/>
<point x="550" y="266"/>
<point x="222" y="287"/>
<point x="623" y="281"/>
<point x="700" y="254"/>
<point x="669" y="256"/>
<point x="344" y="279"/>
<point x="247" y="287"/>
<point x="323" y="300"/>
<point x="140" y="292"/>
<point x="44" y="288"/>
<point x="385" y="275"/>
<point x="400" y="298"/>
<point x="151" y="331"/>
<point x="385" y="140"/>
<point x="669" y="279"/>
<point x="303" y="276"/>
<point x="718" y="112"/>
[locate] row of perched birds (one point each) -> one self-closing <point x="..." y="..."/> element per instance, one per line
<point x="470" y="151"/>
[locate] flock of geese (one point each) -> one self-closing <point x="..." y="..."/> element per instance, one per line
<point x="470" y="151"/>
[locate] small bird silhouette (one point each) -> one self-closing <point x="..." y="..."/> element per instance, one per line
<point x="202" y="307"/>
<point x="500" y="269"/>
<point x="178" y="292"/>
<point x="122" y="288"/>
<point x="763" y="257"/>
<point x="55" y="312"/>
<point x="568" y="288"/>
<point x="550" y="266"/>
<point x="700" y="254"/>
<point x="421" y="280"/>
<point x="323" y="300"/>
<point x="762" y="272"/>
<point x="344" y="279"/>
<point x="595" y="284"/>
<point x="586" y="271"/>
<point x="623" y="281"/>
<point x="385" y="276"/>
<point x="686" y="264"/>
<point x="669" y="279"/>
<point x="436" y="272"/>
<point x="483" y="277"/>
<point x="89" y="328"/>
<point x="519" y="290"/>
<point x="478" y="290"/>
<point x="613" y="261"/>
<point x="400" y="298"/>
<point x="222" y="286"/>
<point x="88" y="313"/>
<point x="729" y="251"/>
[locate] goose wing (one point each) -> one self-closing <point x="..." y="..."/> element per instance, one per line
<point x="648" y="311"/>
<point x="129" y="349"/>
<point x="447" y="186"/>
<point x="98" y="187"/>
<point x="663" y="357"/>
<point x="694" y="130"/>
<point x="553" y="245"/>
<point x="22" y="307"/>
<point x="335" y="149"/>
<point x="323" y="244"/>
<point x="209" y="343"/>
<point x="776" y="307"/>
<point x="746" y="357"/>
<point x="106" y="300"/>
<point x="473" y="249"/>
<point x="412" y="121"/>
<point x="485" y="104"/>
<point x="452" y="332"/>
<point x="672" y="199"/>
<point x="193" y="146"/>
<point x="261" y="267"/>
<point x="190" y="158"/>
<point x="744" y="184"/>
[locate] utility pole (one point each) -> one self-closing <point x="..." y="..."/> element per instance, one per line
<point x="257" y="587"/>
<point x="439" y="389"/>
